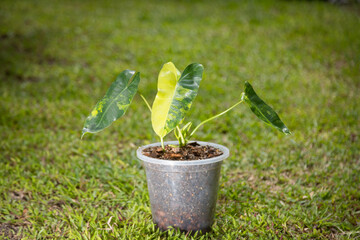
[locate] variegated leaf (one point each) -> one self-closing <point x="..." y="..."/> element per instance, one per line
<point x="115" y="102"/>
<point x="175" y="95"/>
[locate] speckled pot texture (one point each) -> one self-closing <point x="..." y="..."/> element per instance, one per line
<point x="183" y="193"/>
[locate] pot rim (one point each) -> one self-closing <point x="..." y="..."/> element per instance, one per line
<point x="222" y="157"/>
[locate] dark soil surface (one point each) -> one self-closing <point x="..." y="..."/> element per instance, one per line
<point x="192" y="151"/>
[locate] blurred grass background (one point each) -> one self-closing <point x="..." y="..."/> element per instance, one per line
<point x="58" y="58"/>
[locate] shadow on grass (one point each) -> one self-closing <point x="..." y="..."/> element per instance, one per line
<point x="21" y="50"/>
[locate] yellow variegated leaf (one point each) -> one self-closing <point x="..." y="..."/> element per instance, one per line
<point x="167" y="80"/>
<point x="175" y="95"/>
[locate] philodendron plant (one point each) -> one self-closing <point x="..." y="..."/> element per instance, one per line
<point x="176" y="93"/>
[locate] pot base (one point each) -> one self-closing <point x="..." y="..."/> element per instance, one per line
<point x="190" y="232"/>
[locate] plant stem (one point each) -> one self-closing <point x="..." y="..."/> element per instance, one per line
<point x="162" y="143"/>
<point x="212" y="118"/>
<point x="181" y="140"/>
<point x="146" y="102"/>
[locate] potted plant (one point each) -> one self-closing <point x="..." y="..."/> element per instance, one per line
<point x="182" y="176"/>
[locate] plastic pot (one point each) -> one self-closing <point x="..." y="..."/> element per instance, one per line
<point x="183" y="193"/>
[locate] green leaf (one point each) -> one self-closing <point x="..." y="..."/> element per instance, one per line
<point x="262" y="110"/>
<point x="175" y="95"/>
<point x="115" y="102"/>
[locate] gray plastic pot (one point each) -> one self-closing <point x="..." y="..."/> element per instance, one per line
<point x="183" y="193"/>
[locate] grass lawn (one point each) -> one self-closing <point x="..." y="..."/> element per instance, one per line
<point x="58" y="58"/>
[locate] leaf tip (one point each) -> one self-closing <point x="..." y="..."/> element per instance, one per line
<point x="84" y="131"/>
<point x="286" y="131"/>
<point x="200" y="66"/>
<point x="169" y="64"/>
<point x="132" y="72"/>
